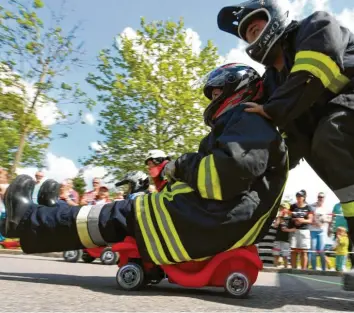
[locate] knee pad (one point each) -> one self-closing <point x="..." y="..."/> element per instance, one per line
<point x="49" y="193"/>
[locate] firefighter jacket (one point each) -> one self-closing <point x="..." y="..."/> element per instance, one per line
<point x="317" y="77"/>
<point x="226" y="196"/>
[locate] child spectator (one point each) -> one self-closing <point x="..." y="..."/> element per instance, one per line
<point x="64" y="195"/>
<point x="284" y="228"/>
<point x="342" y="243"/>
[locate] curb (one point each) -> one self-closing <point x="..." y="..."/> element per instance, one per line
<point x="265" y="269"/>
<point x="20" y="252"/>
<point x="300" y="272"/>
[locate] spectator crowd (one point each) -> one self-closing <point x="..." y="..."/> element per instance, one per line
<point x="311" y="236"/>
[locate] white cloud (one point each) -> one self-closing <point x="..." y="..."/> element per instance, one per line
<point x="96" y="146"/>
<point x="60" y="168"/>
<point x="56" y="167"/>
<point x="192" y="39"/>
<point x="346" y="18"/>
<point x="240" y="56"/>
<point x="47" y="112"/>
<point x="89" y="118"/>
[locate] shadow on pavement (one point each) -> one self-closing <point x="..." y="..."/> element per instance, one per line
<point x="291" y="291"/>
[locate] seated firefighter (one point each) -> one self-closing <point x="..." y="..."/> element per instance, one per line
<point x="222" y="197"/>
<point x="137" y="183"/>
<point x="156" y="160"/>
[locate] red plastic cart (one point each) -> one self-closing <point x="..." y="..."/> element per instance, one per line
<point x="235" y="270"/>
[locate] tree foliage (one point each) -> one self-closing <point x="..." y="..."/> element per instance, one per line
<point x="12" y="108"/>
<point x="34" y="57"/>
<point x="145" y="84"/>
<point x="79" y="184"/>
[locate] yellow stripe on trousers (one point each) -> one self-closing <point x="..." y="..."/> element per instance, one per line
<point x="150" y="236"/>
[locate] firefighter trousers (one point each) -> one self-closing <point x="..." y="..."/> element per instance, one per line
<point x="332" y="158"/>
<point x="63" y="227"/>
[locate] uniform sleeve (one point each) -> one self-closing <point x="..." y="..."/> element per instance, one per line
<point x="237" y="158"/>
<point x="320" y="46"/>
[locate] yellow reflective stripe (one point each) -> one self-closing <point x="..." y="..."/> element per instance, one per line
<point x="172" y="226"/>
<point x="215" y="180"/>
<point x="323" y="67"/>
<point x="150" y="236"/>
<point x="348" y="209"/>
<point x="208" y="179"/>
<point x="201" y="179"/>
<point x="167" y="228"/>
<point x="284" y="135"/>
<point x="163" y="228"/>
<point x="82" y="227"/>
<point x="323" y="58"/>
<point x="313" y="70"/>
<point x="179" y="187"/>
<point x="252" y="234"/>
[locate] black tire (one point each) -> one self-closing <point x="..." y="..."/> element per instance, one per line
<point x="87" y="258"/>
<point x="130" y="277"/>
<point x="108" y="257"/>
<point x="237" y="285"/>
<point x="348" y="281"/>
<point x="72" y="256"/>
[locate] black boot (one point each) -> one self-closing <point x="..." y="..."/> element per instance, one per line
<point x="48" y="194"/>
<point x="17" y="200"/>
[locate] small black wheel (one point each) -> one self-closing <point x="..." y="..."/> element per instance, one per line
<point x="237" y="285"/>
<point x="72" y="256"/>
<point x="108" y="257"/>
<point x="348" y="281"/>
<point x="130" y="277"/>
<point x="87" y="258"/>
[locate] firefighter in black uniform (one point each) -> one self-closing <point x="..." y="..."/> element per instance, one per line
<point x="309" y="80"/>
<point x="222" y="197"/>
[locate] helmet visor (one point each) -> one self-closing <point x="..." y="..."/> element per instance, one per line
<point x="215" y="79"/>
<point x="260" y="14"/>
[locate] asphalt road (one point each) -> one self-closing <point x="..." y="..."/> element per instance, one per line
<point x="37" y="284"/>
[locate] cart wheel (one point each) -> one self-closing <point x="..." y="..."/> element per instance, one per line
<point x="108" y="257"/>
<point x="87" y="258"/>
<point x="72" y="256"/>
<point x="130" y="277"/>
<point x="237" y="285"/>
<point x="348" y="281"/>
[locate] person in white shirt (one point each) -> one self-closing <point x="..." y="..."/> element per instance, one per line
<point x="319" y="230"/>
<point x="39" y="180"/>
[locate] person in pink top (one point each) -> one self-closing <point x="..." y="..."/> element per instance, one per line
<point x="90" y="196"/>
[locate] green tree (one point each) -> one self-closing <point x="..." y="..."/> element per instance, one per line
<point x="34" y="58"/>
<point x="12" y="108"/>
<point x="79" y="184"/>
<point x="145" y="85"/>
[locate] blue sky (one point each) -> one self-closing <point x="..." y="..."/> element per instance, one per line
<point x="103" y="20"/>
